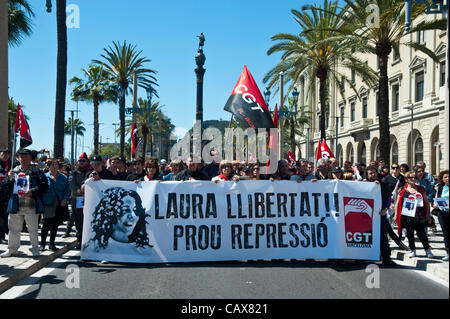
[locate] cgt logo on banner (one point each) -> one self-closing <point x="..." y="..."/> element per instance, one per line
<point x="358" y="222"/>
<point x="163" y="222"/>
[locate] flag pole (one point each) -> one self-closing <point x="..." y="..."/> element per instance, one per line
<point x="13" y="156"/>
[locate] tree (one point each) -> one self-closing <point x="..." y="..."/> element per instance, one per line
<point x="96" y="87"/>
<point x="381" y="39"/>
<point x="78" y="127"/>
<point x="142" y="122"/>
<point x="20" y="25"/>
<point x="122" y="61"/>
<point x="313" y="54"/>
<point x="61" y="77"/>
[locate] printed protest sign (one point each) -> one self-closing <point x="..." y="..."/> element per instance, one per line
<point x="409" y="206"/>
<point x="155" y="222"/>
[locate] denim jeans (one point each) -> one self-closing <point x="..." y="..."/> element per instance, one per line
<point x="443" y="220"/>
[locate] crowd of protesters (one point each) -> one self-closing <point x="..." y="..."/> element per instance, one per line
<point x="54" y="184"/>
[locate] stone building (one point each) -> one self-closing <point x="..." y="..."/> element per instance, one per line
<point x="414" y="80"/>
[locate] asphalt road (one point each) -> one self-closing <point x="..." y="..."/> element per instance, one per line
<point x="68" y="278"/>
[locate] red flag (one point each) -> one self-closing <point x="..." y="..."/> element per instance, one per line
<point x="23" y="128"/>
<point x="275" y="116"/>
<point x="323" y="151"/>
<point x="134" y="141"/>
<point x="291" y="159"/>
<point x="247" y="103"/>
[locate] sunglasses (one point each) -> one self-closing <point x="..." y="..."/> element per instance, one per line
<point x="419" y="171"/>
<point x="227" y="166"/>
<point x="395" y="167"/>
<point x="411" y="177"/>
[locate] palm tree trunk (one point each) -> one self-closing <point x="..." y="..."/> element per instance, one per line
<point x="61" y="79"/>
<point x="383" y="118"/>
<point x="95" y="101"/>
<point x="323" y="108"/>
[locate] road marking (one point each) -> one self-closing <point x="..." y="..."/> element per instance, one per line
<point x="28" y="282"/>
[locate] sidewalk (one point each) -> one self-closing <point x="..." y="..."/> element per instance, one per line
<point x="14" y="269"/>
<point x="434" y="266"/>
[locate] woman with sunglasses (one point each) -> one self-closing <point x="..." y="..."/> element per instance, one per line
<point x="225" y="172"/>
<point x="152" y="171"/>
<point x="422" y="214"/>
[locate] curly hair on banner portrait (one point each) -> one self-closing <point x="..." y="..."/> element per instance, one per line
<point x="108" y="212"/>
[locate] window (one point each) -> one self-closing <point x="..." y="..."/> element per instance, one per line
<point x="342" y="116"/>
<point x="395" y="97"/>
<point x="377" y="103"/>
<point x="396" y="56"/>
<point x="353" y="77"/>
<point x="442" y="74"/>
<point x="419" y="86"/>
<point x="350" y="156"/>
<point x="395" y="153"/>
<point x="362" y="155"/>
<point x="377" y="152"/>
<point x="418" y="150"/>
<point x="364" y="108"/>
<point x="352" y="111"/>
<point x="421" y="37"/>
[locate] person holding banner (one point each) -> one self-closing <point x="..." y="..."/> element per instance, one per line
<point x="372" y="176"/>
<point x="152" y="172"/>
<point x="412" y="211"/>
<point x="441" y="205"/>
<point x="26" y="204"/>
<point x="225" y="172"/>
<point x="193" y="172"/>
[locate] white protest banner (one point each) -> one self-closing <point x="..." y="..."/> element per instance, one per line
<point x="155" y="222"/>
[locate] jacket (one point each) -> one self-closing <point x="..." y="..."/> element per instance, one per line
<point x="38" y="187"/>
<point x="59" y="188"/>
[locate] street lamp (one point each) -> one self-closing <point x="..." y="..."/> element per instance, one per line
<point x="48" y="4"/>
<point x="267" y="96"/>
<point x="295" y="97"/>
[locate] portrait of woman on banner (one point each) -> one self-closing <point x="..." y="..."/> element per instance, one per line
<point x="118" y="222"/>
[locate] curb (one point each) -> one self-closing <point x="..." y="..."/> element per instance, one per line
<point x="33" y="265"/>
<point x="433" y="266"/>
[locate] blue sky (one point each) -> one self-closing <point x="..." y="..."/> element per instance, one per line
<point x="237" y="33"/>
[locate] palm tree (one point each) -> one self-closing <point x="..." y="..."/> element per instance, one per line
<point x="122" y="61"/>
<point x="142" y="122"/>
<point x="78" y="127"/>
<point x="96" y="88"/>
<point x="381" y="40"/>
<point x="61" y="76"/>
<point x="19" y="21"/>
<point x="313" y="55"/>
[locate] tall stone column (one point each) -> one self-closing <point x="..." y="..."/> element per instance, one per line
<point x="3" y="73"/>
<point x="199" y="72"/>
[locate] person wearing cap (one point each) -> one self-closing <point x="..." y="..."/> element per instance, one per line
<point x="163" y="167"/>
<point x="78" y="177"/>
<point x="336" y="173"/>
<point x="99" y="171"/>
<point x="26" y="206"/>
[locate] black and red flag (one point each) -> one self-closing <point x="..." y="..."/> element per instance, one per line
<point x="23" y="128"/>
<point x="134" y="140"/>
<point x="247" y="104"/>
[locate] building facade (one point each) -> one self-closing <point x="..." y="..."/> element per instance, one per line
<point x="414" y="80"/>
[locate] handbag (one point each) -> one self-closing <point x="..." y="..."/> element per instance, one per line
<point x="62" y="212"/>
